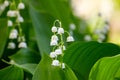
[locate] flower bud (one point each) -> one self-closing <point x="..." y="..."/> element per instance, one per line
<point x="63" y="65"/>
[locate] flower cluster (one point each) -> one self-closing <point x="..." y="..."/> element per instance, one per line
<point x="99" y="34"/>
<point x="14" y="21"/>
<point x="57" y="42"/>
<point x="4" y="5"/>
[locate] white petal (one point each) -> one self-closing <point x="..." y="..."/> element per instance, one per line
<point x="21" y="6"/>
<point x="58" y="51"/>
<point x="55" y="63"/>
<point x="60" y="31"/>
<point x="53" y="43"/>
<point x="53" y="55"/>
<point x="54" y="37"/>
<point x="70" y="39"/>
<point x="11" y="13"/>
<point x="22" y="45"/>
<point x="54" y="29"/>
<point x="11" y="45"/>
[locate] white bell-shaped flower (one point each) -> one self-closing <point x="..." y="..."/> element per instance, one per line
<point x="53" y="55"/>
<point x="22" y="45"/>
<point x="55" y="63"/>
<point x="11" y="45"/>
<point x="13" y="34"/>
<point x="11" y="13"/>
<point x="54" y="37"/>
<point x="60" y="30"/>
<point x="70" y="39"/>
<point x="21" y="6"/>
<point x="6" y="3"/>
<point x="20" y="19"/>
<point x="58" y="51"/>
<point x="10" y="23"/>
<point x="53" y="43"/>
<point x="54" y="29"/>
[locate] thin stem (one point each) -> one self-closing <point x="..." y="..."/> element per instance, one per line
<point x="67" y="33"/>
<point x="5" y="61"/>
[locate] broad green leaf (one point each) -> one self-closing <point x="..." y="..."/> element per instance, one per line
<point x="59" y="9"/>
<point x="3" y="35"/>
<point x="107" y="68"/>
<point x="42" y="30"/>
<point x="45" y="71"/>
<point x="11" y="73"/>
<point x="29" y="67"/>
<point x="81" y="56"/>
<point x="26" y="55"/>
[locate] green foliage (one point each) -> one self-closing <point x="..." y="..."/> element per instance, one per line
<point x="30" y="68"/>
<point x="3" y="35"/>
<point x="83" y="60"/>
<point x="24" y="56"/>
<point x="11" y="73"/>
<point x="59" y="9"/>
<point x="107" y="68"/>
<point x="45" y="71"/>
<point x="81" y="56"/>
<point x="42" y="30"/>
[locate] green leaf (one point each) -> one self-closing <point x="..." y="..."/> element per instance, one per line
<point x="42" y="30"/>
<point x="24" y="56"/>
<point x="59" y="9"/>
<point x="81" y="56"/>
<point x="107" y="68"/>
<point x="11" y="73"/>
<point x="45" y="71"/>
<point x="3" y="35"/>
<point x="29" y="67"/>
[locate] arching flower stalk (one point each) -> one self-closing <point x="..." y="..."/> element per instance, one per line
<point x="58" y="44"/>
<point x="14" y="21"/>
